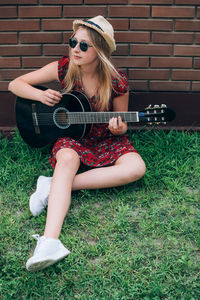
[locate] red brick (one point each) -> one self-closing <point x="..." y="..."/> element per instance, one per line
<point x="20" y="25"/>
<point x="84" y="11"/>
<point x="20" y="50"/>
<point x="198" y="38"/>
<point x="119" y="24"/>
<point x="61" y="1"/>
<point x="186" y="75"/>
<point x="172" y="37"/>
<point x="8" y="12"/>
<point x="7" y="62"/>
<point x="56" y="50"/>
<point x="40" y="37"/>
<point x="58" y="24"/>
<point x="12" y="73"/>
<point x="173" y="12"/>
<point x="148" y="74"/>
<point x="37" y="62"/>
<point x="196" y="86"/>
<point x="132" y="37"/>
<point x="151" y="1"/>
<point x="150" y="49"/>
<point x="171" y="62"/>
<point x="197" y="63"/>
<point x="169" y="86"/>
<point x="198" y="12"/>
<point x="189" y="2"/>
<point x="182" y="50"/>
<point x="138" y="85"/>
<point x="8" y="38"/>
<point x="121" y="50"/>
<point x="129" y="11"/>
<point x="40" y="11"/>
<point x="143" y="24"/>
<point x="187" y="25"/>
<point x="19" y="2"/>
<point x="66" y="36"/>
<point x="107" y="2"/>
<point x="137" y="62"/>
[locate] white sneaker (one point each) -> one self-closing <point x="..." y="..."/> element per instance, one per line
<point x="39" y="199"/>
<point x="47" y="252"/>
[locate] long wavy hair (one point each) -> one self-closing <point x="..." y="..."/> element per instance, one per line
<point x="105" y="70"/>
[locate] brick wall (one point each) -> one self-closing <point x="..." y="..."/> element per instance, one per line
<point x="158" y="41"/>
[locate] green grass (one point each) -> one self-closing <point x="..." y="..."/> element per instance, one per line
<point x="140" y="241"/>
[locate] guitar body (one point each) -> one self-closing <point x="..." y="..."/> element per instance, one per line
<point x="40" y="124"/>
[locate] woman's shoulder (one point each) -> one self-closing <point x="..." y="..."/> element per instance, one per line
<point x="64" y="61"/>
<point x="63" y="64"/>
<point x="120" y="83"/>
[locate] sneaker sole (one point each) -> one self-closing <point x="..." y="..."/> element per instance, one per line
<point x="42" y="264"/>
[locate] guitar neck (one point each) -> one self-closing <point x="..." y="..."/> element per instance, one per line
<point x="101" y="117"/>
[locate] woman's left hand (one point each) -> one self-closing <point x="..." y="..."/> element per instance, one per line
<point x="116" y="126"/>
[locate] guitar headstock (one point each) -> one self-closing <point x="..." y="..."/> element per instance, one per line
<point x="159" y="114"/>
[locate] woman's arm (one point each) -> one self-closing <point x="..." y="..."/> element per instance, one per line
<point x="116" y="126"/>
<point x="23" y="86"/>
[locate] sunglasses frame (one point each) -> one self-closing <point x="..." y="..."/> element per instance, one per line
<point x="82" y="45"/>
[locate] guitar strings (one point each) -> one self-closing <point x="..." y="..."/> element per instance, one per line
<point x="80" y="118"/>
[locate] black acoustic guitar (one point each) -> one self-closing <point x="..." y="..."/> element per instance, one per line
<point x="40" y="124"/>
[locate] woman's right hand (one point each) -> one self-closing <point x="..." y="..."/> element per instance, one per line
<point x="50" y="97"/>
<point x="24" y="86"/>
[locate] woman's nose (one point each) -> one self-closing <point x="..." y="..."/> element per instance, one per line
<point x="77" y="48"/>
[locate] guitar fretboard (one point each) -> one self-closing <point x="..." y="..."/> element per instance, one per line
<point x="100" y="117"/>
<point x="64" y="117"/>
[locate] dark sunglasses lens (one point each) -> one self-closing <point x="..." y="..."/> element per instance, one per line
<point x="83" y="46"/>
<point x="73" y="43"/>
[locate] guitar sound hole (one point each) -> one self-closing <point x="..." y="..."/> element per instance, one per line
<point x="60" y="117"/>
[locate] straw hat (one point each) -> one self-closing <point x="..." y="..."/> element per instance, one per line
<point x="102" y="26"/>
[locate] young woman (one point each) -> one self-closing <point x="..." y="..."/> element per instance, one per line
<point x="106" y="148"/>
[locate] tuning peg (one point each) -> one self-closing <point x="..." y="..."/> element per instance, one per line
<point x="148" y="107"/>
<point x="156" y="106"/>
<point x="163" y="105"/>
<point x="150" y="123"/>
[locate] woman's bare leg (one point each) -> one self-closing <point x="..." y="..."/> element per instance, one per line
<point x="128" y="168"/>
<point x="60" y="193"/>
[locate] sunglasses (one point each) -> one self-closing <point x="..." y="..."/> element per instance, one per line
<point x="83" y="45"/>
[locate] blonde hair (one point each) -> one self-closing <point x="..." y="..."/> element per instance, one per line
<point x="105" y="70"/>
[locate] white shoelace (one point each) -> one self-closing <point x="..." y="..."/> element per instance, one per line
<point x="36" y="236"/>
<point x="39" y="239"/>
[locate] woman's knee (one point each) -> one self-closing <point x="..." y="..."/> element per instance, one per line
<point x="139" y="169"/>
<point x="67" y="156"/>
<point x="134" y="167"/>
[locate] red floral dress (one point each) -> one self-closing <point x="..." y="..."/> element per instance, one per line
<point x="100" y="147"/>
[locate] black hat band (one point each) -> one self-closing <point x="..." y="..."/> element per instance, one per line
<point x="92" y="23"/>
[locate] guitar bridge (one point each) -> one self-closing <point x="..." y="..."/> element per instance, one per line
<point x="35" y="120"/>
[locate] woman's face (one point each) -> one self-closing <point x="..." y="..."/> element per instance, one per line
<point x="80" y="57"/>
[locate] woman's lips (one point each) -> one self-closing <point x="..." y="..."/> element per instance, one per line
<point x="76" y="57"/>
